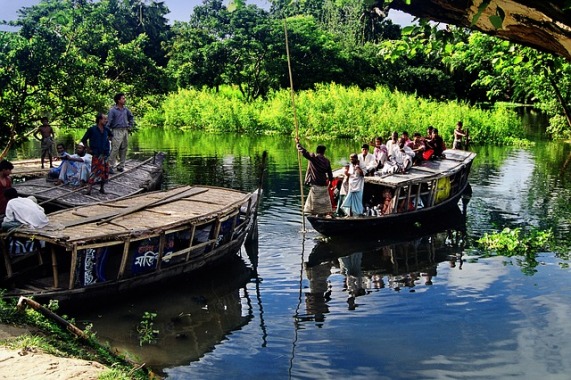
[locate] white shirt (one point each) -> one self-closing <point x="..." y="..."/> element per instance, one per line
<point x="401" y="156"/>
<point x="25" y="211"/>
<point x="367" y="162"/>
<point x="356" y="181"/>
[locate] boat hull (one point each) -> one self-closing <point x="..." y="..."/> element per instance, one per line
<point x="380" y="227"/>
<point x="116" y="247"/>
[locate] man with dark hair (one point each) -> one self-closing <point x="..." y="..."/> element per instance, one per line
<point x="21" y="211"/>
<point x="366" y="160"/>
<point x="318" y="176"/>
<point x="98" y="136"/>
<point x="121" y="122"/>
<point x="437" y="144"/>
<point x="5" y="182"/>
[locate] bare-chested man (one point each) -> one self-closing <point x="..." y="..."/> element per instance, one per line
<point x="46" y="135"/>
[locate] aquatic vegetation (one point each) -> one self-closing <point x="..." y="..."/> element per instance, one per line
<point x="147" y="334"/>
<point x="515" y="242"/>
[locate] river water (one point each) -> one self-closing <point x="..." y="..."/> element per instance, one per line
<point x="299" y="306"/>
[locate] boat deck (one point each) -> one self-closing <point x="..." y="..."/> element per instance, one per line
<point x="139" y="176"/>
<point x="144" y="214"/>
<point x="425" y="172"/>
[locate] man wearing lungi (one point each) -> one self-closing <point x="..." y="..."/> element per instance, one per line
<point x="318" y="176"/>
<point x="99" y="138"/>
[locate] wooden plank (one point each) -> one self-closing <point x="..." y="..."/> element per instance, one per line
<point x="170" y="198"/>
<point x="111" y="215"/>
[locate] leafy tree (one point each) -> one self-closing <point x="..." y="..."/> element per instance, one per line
<point x="516" y="73"/>
<point x="66" y="61"/>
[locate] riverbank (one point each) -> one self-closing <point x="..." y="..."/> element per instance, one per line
<point x="32" y="363"/>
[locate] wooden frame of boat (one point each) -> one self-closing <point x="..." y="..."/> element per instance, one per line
<point x="116" y="246"/>
<point x="437" y="183"/>
<point x="138" y="177"/>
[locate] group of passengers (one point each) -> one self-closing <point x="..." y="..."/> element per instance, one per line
<point x="398" y="155"/>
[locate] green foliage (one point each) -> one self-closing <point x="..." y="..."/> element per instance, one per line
<point x="147" y="334"/>
<point x="333" y="111"/>
<point x="558" y="128"/>
<point x="68" y="58"/>
<point x="512" y="242"/>
<point x="524" y="245"/>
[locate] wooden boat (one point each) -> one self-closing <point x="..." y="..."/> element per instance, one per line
<point x="115" y="246"/>
<point x="417" y="198"/>
<point x="138" y="176"/>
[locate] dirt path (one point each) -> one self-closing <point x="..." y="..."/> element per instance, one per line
<point x="30" y="364"/>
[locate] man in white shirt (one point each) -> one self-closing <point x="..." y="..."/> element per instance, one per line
<point x="75" y="168"/>
<point x="22" y="211"/>
<point x="353" y="203"/>
<point x="366" y="160"/>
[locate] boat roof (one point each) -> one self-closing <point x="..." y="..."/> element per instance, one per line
<point x="140" y="215"/>
<point x="427" y="171"/>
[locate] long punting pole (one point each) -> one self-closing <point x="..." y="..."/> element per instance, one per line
<point x="296" y="123"/>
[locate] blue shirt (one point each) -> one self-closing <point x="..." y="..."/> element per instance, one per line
<point x="120" y="118"/>
<point x="98" y="141"/>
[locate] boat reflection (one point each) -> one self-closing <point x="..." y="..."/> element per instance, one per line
<point x="191" y="317"/>
<point x="397" y="263"/>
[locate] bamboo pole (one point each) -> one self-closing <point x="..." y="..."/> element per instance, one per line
<point x="24" y="301"/>
<point x="296" y="123"/>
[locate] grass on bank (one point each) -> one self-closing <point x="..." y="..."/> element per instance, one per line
<point x="329" y="112"/>
<point x="53" y="339"/>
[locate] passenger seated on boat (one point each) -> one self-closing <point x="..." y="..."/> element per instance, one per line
<point x="386" y="206"/>
<point x="400" y="159"/>
<point x="22" y="211"/>
<point x="75" y="168"/>
<point x="53" y="174"/>
<point x="407" y="141"/>
<point x="436" y="144"/>
<point x="392" y="142"/>
<point x="366" y="160"/>
<point x="353" y="203"/>
<point x="380" y="153"/>
<point x="418" y="148"/>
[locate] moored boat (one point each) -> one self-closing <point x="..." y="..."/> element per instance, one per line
<point x="139" y="176"/>
<point x="418" y="197"/>
<point x="120" y="245"/>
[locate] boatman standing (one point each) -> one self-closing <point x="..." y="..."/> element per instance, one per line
<point x="121" y="123"/>
<point x="319" y="175"/>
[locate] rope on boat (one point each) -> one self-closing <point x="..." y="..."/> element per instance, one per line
<point x="296" y="123"/>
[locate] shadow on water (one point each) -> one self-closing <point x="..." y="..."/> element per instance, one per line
<point x="394" y="263"/>
<point x="193" y="316"/>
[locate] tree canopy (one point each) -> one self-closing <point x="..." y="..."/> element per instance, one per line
<point x="68" y="57"/>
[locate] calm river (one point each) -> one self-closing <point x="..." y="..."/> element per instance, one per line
<point x="296" y="306"/>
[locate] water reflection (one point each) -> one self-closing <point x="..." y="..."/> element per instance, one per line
<point x="193" y="316"/>
<point x="400" y="263"/>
